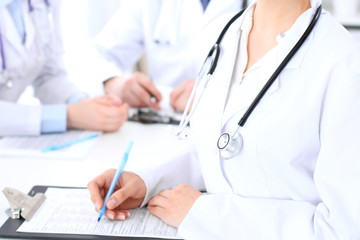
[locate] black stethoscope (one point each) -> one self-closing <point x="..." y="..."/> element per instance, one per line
<point x="5" y="79"/>
<point x="230" y="144"/>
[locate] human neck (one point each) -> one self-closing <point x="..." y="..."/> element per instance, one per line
<point x="277" y="16"/>
<point x="271" y="18"/>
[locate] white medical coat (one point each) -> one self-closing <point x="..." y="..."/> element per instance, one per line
<point x="30" y="64"/>
<point x="297" y="175"/>
<point x="175" y="36"/>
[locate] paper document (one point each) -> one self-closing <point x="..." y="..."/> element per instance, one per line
<point x="31" y="146"/>
<point x="70" y="211"/>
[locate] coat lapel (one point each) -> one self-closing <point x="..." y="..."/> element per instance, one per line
<point x="9" y="32"/>
<point x="210" y="111"/>
<point x="212" y="101"/>
<point x="290" y="40"/>
<point x="224" y="72"/>
<point x="29" y="28"/>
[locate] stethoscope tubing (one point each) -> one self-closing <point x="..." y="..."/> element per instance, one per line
<point x="215" y="49"/>
<point x="281" y="67"/>
<point x="3" y="60"/>
<point x="216" y="46"/>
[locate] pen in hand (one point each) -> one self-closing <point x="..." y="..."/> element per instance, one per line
<point x="152" y="96"/>
<point x="116" y="178"/>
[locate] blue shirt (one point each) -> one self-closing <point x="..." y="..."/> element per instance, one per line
<point x="205" y="3"/>
<point x="54" y="116"/>
<point x="14" y="8"/>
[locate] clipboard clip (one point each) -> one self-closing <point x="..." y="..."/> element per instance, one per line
<point x="21" y="204"/>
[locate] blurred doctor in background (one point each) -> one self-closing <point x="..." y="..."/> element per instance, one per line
<point x="174" y="36"/>
<point x="31" y="50"/>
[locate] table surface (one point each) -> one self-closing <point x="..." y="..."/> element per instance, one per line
<point x="23" y="173"/>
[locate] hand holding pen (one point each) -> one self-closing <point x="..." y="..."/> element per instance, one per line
<point x="115" y="179"/>
<point x="129" y="193"/>
<point x="136" y="90"/>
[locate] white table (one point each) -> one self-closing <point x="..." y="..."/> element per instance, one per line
<point x="23" y="174"/>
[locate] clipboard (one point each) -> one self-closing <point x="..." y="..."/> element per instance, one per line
<point x="8" y="229"/>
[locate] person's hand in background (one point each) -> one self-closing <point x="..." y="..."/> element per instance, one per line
<point x="180" y="96"/>
<point x="136" y="90"/>
<point x="105" y="113"/>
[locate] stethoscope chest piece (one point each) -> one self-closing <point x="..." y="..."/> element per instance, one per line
<point x="229" y="145"/>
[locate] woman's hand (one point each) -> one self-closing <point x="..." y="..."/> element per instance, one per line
<point x="173" y="205"/>
<point x="129" y="193"/>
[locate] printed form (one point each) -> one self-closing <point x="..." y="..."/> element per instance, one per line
<point x="30" y="146"/>
<point x="70" y="211"/>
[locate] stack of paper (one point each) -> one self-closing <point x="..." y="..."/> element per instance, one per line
<point x="31" y="147"/>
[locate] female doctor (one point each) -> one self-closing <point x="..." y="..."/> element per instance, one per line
<point x="295" y="175"/>
<point x="30" y="48"/>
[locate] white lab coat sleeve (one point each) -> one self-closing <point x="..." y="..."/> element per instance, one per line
<point x="19" y="119"/>
<point x="120" y="45"/>
<point x="180" y="167"/>
<point x="336" y="216"/>
<point x="52" y="85"/>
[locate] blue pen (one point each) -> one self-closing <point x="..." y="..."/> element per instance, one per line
<point x="116" y="178"/>
<point x="68" y="144"/>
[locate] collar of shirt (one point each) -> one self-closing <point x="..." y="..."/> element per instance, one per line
<point x="245" y="86"/>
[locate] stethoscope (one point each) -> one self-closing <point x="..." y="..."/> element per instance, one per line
<point x="5" y="79"/>
<point x="230" y="144"/>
